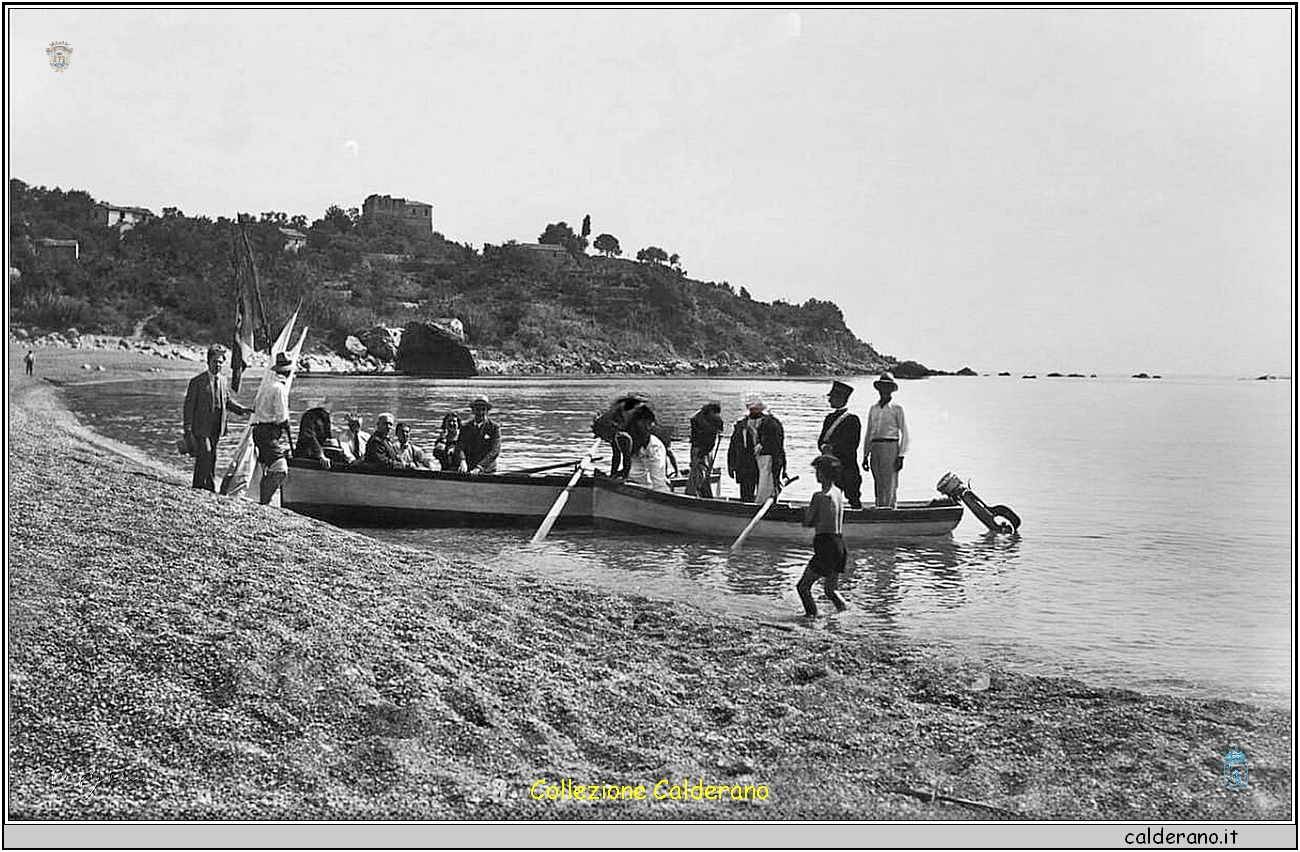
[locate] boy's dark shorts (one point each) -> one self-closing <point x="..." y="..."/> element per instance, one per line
<point x="829" y="555"/>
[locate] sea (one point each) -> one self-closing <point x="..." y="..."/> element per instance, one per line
<point x="1156" y="553"/>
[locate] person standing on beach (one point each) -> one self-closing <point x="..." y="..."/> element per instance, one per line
<point x="481" y="439"/>
<point x="30" y="360"/>
<point x="207" y="399"/>
<point x="706" y="428"/>
<point x="825" y="514"/>
<point x="886" y="442"/>
<point x="840" y="435"/>
<point x="272" y="433"/>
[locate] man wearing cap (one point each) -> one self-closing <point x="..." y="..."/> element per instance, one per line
<point x="271" y="429"/>
<point x="380" y="450"/>
<point x="481" y="439"/>
<point x="886" y="442"/>
<point x="756" y="454"/>
<point x="841" y="432"/>
<point x="706" y="428"/>
<point x="207" y="399"/>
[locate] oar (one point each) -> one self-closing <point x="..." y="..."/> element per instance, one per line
<point x="549" y="520"/>
<point x="546" y="467"/>
<point x="767" y="504"/>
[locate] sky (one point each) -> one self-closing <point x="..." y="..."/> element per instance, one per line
<point x="1105" y="190"/>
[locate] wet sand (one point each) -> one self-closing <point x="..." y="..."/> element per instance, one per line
<point x="177" y="655"/>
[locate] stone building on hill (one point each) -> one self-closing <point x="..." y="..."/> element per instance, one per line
<point x="386" y="207"/>
<point x="122" y="218"/>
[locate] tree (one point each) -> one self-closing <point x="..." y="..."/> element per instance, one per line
<point x="560" y="234"/>
<point x="652" y="254"/>
<point x="744" y="294"/>
<point x="674" y="260"/>
<point x="607" y="244"/>
<point x="586" y="226"/>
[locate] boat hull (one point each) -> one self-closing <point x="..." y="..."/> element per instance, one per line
<point x="370" y="497"/>
<point x="355" y="496"/>
<point x="620" y="505"/>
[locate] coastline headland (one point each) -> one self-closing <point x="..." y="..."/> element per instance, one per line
<point x="176" y="655"/>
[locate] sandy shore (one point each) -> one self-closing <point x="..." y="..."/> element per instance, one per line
<point x="175" y="655"/>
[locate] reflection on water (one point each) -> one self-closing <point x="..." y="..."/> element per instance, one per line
<point x="1145" y="534"/>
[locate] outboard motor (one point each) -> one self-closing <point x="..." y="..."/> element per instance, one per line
<point x="999" y="519"/>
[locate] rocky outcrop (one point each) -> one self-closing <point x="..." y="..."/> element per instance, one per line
<point x="912" y="370"/>
<point x="382" y="342"/>
<point x="354" y="347"/>
<point x="435" y="348"/>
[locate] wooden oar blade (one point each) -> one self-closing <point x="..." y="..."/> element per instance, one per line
<point x="767" y="504"/>
<point x="551" y="516"/>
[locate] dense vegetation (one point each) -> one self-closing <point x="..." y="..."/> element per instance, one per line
<point x="172" y="275"/>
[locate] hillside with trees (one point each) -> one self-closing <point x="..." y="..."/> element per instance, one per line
<point x="560" y="310"/>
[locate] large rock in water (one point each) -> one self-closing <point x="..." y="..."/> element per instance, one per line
<point x="436" y="349"/>
<point x="382" y="342"/>
<point x="354" y="347"/>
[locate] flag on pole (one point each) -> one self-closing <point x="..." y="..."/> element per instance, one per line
<point x="248" y="306"/>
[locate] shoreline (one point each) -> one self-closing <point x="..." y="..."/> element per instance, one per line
<point x="187" y="356"/>
<point x="263" y="665"/>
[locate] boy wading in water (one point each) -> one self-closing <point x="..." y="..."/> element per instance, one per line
<point x="826" y="516"/>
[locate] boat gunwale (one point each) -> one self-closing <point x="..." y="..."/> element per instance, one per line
<point x="907" y="512"/>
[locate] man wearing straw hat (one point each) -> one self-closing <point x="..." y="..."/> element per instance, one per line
<point x="886" y="442"/>
<point x="481" y="438"/>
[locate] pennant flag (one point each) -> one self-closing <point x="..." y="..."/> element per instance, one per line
<point x="248" y="305"/>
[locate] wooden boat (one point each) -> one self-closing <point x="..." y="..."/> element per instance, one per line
<point x="360" y="496"/>
<point x="617" y="504"/>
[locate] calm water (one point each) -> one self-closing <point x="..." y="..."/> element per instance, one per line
<point x="1156" y="552"/>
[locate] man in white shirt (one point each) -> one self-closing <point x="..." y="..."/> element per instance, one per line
<point x="649" y="464"/>
<point x="411" y="455"/>
<point x="886" y="442"/>
<point x="271" y="429"/>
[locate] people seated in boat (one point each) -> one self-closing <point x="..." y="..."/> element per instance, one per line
<point x="480" y="439"/>
<point x="316" y="439"/>
<point x="447" y="448"/>
<point x="381" y="450"/>
<point x="354" y="439"/>
<point x="411" y="455"/>
<point x="649" y="458"/>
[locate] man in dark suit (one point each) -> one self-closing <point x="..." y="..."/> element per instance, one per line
<point x="756" y="454"/>
<point x="206" y="402"/>
<point x="841" y="433"/>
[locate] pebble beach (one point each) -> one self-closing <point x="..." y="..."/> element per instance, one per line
<point x="174" y="655"/>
